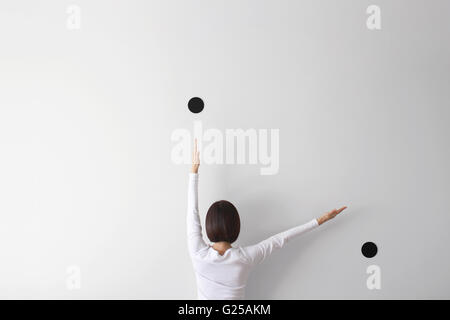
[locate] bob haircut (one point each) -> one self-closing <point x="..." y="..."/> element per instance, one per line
<point x="222" y="222"/>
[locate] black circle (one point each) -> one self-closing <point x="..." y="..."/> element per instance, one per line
<point x="369" y="249"/>
<point x="196" y="105"/>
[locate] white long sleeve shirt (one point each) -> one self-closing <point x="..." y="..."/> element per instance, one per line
<point x="224" y="277"/>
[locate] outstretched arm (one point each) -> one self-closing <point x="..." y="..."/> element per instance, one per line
<point x="257" y="253"/>
<point x="194" y="228"/>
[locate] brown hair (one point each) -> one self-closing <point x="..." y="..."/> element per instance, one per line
<point x="222" y="222"/>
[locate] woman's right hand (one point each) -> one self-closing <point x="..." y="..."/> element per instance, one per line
<point x="195" y="158"/>
<point x="330" y="215"/>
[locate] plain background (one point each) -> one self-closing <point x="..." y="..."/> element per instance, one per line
<point x="86" y="116"/>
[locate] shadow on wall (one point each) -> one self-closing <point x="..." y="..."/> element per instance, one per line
<point x="264" y="212"/>
<point x="266" y="278"/>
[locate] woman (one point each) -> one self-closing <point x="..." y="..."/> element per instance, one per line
<point x="222" y="270"/>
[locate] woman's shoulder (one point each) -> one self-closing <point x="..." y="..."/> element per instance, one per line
<point x="243" y="254"/>
<point x="208" y="253"/>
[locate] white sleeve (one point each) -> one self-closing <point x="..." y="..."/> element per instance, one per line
<point x="258" y="252"/>
<point x="194" y="228"/>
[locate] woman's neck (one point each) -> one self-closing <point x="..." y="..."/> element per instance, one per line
<point x="221" y="246"/>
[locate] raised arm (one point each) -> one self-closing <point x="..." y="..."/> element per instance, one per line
<point x="194" y="228"/>
<point x="258" y="252"/>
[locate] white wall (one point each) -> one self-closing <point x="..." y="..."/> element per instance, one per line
<point x="86" y="116"/>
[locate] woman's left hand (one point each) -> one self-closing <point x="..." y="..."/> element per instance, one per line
<point x="330" y="215"/>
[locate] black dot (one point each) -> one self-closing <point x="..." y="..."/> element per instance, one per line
<point x="369" y="249"/>
<point x="196" y="105"/>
